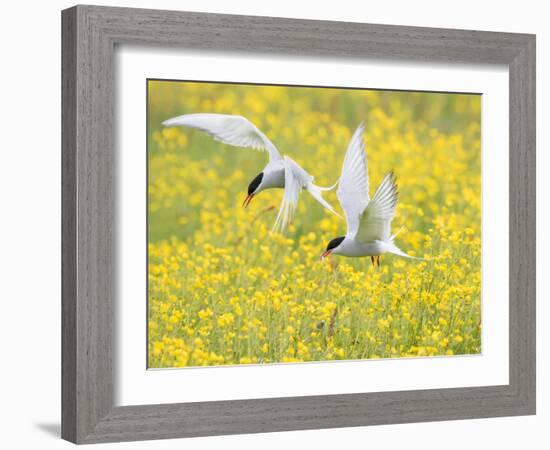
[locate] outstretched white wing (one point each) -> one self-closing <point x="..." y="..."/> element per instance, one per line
<point x="353" y="188"/>
<point x="229" y="129"/>
<point x="375" y="222"/>
<point x="296" y="179"/>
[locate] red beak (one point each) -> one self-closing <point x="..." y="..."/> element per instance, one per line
<point x="247" y="200"/>
<point x="326" y="253"/>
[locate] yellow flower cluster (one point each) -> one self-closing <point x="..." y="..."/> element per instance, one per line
<point x="223" y="290"/>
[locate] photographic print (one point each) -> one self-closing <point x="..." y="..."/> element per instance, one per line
<point x="292" y="224"/>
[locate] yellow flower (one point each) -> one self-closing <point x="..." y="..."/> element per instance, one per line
<point x="225" y="320"/>
<point x="205" y="313"/>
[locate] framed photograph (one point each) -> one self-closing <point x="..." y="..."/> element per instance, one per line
<point x="279" y="224"/>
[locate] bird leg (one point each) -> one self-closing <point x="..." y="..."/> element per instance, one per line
<point x="378" y="260"/>
<point x="372" y="260"/>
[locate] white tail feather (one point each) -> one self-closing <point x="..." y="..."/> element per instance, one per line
<point x="392" y="238"/>
<point x="330" y="188"/>
<point x="392" y="248"/>
<point x="315" y="191"/>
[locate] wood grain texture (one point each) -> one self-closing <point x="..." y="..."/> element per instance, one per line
<point x="522" y="281"/>
<point x="68" y="225"/>
<point x="89" y="37"/>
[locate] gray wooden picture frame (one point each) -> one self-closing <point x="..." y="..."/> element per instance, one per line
<point x="90" y="34"/>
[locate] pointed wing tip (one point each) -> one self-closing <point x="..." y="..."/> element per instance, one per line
<point x="360" y="128"/>
<point x="169" y="122"/>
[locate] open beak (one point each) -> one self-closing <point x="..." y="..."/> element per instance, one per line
<point x="325" y="254"/>
<point x="247" y="200"/>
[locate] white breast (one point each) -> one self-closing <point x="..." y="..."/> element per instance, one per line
<point x="352" y="248"/>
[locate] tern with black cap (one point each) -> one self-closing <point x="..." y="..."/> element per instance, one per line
<point x="369" y="219"/>
<point x="280" y="172"/>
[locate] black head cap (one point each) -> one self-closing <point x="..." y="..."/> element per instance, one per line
<point x="255" y="183"/>
<point x="335" y="243"/>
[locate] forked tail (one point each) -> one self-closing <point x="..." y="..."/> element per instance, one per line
<point x="317" y="194"/>
<point x="330" y="188"/>
<point x="392" y="248"/>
